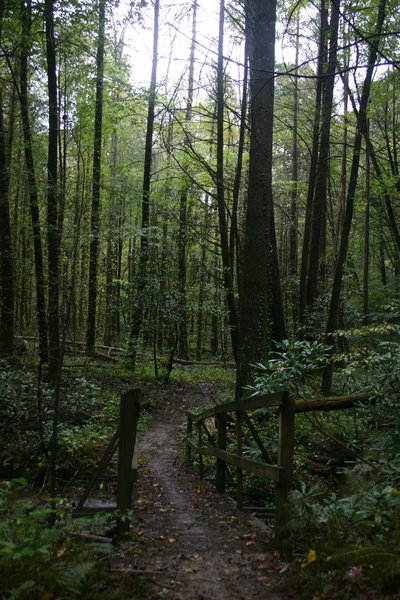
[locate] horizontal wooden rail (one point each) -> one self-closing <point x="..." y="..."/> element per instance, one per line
<point x="285" y="407"/>
<point x="247" y="464"/>
<point x="281" y="473"/>
<point x="334" y="402"/>
<point x="250" y="403"/>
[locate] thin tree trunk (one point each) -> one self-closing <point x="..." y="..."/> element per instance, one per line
<point x="227" y="267"/>
<point x="294" y="196"/>
<point x="318" y="228"/>
<point x="137" y="313"/>
<point x="96" y="188"/>
<point x="366" y="240"/>
<point x="382" y="265"/>
<point x="234" y="242"/>
<point x="113" y="235"/>
<point x="53" y="242"/>
<point x="361" y="131"/>
<point x="183" y="348"/>
<point x="305" y="258"/>
<point x="41" y="309"/>
<point x="6" y="248"/>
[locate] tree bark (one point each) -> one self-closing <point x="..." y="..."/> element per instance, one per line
<point x="305" y="258"/>
<point x="227" y="266"/>
<point x="318" y="227"/>
<point x="366" y="240"/>
<point x="137" y="313"/>
<point x="41" y="309"/>
<point x="183" y="348"/>
<point x="96" y="188"/>
<point x="53" y="242"/>
<point x="6" y="247"/>
<point x="361" y="131"/>
<point x="261" y="313"/>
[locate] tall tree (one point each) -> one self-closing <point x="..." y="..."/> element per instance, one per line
<point x="141" y="279"/>
<point x="261" y="317"/>
<point x="96" y="187"/>
<point x="227" y="266"/>
<point x="318" y="221"/>
<point x="26" y="19"/>
<point x="182" y="234"/>
<point x="6" y="250"/>
<point x="305" y="257"/>
<point x="361" y="131"/>
<point x="53" y="241"/>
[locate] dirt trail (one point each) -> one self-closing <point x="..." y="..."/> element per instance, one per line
<point x="192" y="543"/>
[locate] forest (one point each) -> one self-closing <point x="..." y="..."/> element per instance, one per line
<point x="200" y="195"/>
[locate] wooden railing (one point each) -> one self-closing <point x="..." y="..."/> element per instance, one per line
<point x="124" y="440"/>
<point x="281" y="472"/>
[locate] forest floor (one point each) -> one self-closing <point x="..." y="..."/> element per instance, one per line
<point x="189" y="542"/>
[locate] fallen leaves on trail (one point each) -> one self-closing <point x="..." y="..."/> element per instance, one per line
<point x="311" y="557"/>
<point x="138" y="532"/>
<point x="142" y="500"/>
<point x="164" y="538"/>
<point x="249" y="536"/>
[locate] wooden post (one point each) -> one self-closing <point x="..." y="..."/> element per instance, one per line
<point x="285" y="459"/>
<point x="129" y="415"/>
<point x="189" y="431"/>
<point x="239" y="449"/>
<point x="221" y="444"/>
<point x="200" y="444"/>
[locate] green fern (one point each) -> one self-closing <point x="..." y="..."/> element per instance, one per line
<point x="72" y="578"/>
<point x="27" y="590"/>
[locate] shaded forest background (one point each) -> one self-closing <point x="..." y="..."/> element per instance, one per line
<point x="123" y="208"/>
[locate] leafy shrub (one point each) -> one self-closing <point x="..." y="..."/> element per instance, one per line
<point x="33" y="554"/>
<point x="292" y="366"/>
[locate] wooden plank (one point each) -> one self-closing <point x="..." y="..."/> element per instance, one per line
<point x="285" y="459"/>
<point x="239" y="451"/>
<point x="200" y="442"/>
<point x="221" y="443"/>
<point x="129" y="415"/>
<point x="333" y="402"/>
<point x="250" y="403"/>
<point x="247" y="464"/>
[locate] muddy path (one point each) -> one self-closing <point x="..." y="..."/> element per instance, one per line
<point x="191" y="543"/>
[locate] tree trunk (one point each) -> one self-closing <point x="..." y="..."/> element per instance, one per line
<point x="32" y="184"/>
<point x="6" y="248"/>
<point x="227" y="267"/>
<point x="361" y="131"/>
<point x="53" y="242"/>
<point x="183" y="348"/>
<point x="96" y="188"/>
<point x="137" y="313"/>
<point x="305" y="258"/>
<point x="294" y="196"/>
<point x="234" y="242"/>
<point x="366" y="240"/>
<point x="261" y="313"/>
<point x="318" y="227"/>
